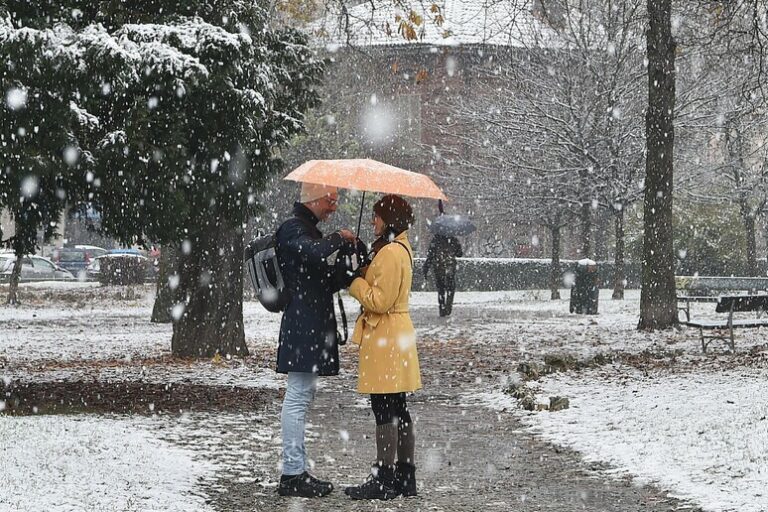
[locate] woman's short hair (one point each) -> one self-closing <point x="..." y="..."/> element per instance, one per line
<point x="395" y="211"/>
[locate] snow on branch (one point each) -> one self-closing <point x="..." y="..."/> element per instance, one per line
<point x="112" y="139"/>
<point x="83" y="117"/>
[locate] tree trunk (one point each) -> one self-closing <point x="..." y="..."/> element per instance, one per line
<point x="600" y="234"/>
<point x="658" y="306"/>
<point x="751" y="235"/>
<point x="13" y="286"/>
<point x="554" y="274"/>
<point x="212" y="282"/>
<point x="168" y="291"/>
<point x="619" y="274"/>
<point x="586" y="229"/>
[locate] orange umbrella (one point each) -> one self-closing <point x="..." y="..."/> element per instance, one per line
<point x="366" y="175"/>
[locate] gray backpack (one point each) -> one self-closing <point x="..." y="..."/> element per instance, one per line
<point x="264" y="271"/>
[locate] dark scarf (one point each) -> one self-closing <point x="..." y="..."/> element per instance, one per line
<point x="388" y="236"/>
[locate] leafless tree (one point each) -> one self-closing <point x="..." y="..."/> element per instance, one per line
<point x="565" y="116"/>
<point x="728" y="121"/>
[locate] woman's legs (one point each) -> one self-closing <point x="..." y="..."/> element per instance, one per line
<point x="406" y="442"/>
<point x="383" y="485"/>
<point x="391" y="410"/>
<point x="405" y="470"/>
<point x="384" y="409"/>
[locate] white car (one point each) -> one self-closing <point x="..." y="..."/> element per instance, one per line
<point x="33" y="268"/>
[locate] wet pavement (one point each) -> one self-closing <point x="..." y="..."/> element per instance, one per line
<point x="469" y="457"/>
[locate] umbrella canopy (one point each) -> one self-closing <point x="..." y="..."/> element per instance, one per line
<point x="366" y="175"/>
<point x="452" y="225"/>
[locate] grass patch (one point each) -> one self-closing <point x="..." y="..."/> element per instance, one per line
<point x="21" y="399"/>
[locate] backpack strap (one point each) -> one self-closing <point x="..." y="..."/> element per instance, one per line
<point x="343" y="319"/>
<point x="401" y="244"/>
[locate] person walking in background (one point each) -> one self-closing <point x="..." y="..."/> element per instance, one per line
<point x="441" y="256"/>
<point x="389" y="363"/>
<point x="308" y="345"/>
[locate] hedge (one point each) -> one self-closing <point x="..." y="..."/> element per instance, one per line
<point x="492" y="274"/>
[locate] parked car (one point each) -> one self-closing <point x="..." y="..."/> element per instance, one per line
<point x="77" y="258"/>
<point x="33" y="268"/>
<point x="121" y="268"/>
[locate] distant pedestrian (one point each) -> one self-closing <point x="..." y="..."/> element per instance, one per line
<point x="389" y="363"/>
<point x="441" y="256"/>
<point x="308" y="345"/>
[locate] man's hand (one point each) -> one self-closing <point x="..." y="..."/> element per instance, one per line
<point x="347" y="235"/>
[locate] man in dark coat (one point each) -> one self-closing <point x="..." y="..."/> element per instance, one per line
<point x="441" y="255"/>
<point x="308" y="339"/>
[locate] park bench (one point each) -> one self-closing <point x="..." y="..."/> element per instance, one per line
<point x="722" y="329"/>
<point x="693" y="289"/>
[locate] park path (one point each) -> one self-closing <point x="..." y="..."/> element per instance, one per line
<point x="469" y="457"/>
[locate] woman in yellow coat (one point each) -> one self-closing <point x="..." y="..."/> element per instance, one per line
<point x="389" y="364"/>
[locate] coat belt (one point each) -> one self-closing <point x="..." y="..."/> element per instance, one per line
<point x="373" y="319"/>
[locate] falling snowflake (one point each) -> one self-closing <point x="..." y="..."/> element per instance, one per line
<point x="30" y="186"/>
<point x="71" y="155"/>
<point x="177" y="311"/>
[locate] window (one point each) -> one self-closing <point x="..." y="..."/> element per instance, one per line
<point x="42" y="265"/>
<point x="6" y="263"/>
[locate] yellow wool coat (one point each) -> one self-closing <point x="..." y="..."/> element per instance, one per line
<point x="389" y="362"/>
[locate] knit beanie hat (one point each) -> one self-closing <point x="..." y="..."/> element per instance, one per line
<point x="395" y="212"/>
<point x="312" y="192"/>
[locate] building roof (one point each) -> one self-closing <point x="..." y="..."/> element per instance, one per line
<point x="509" y="23"/>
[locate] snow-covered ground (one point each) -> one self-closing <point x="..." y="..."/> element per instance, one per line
<point x="702" y="436"/>
<point x="120" y="329"/>
<point x="74" y="463"/>
<point x="698" y="430"/>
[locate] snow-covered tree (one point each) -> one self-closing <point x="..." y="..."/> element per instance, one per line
<point x="45" y="160"/>
<point x="194" y="139"/>
<point x="192" y="101"/>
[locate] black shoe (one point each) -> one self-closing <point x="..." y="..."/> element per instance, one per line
<point x="380" y="485"/>
<point x="303" y="486"/>
<point x="405" y="475"/>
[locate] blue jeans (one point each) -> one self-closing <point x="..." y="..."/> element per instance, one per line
<point x="298" y="396"/>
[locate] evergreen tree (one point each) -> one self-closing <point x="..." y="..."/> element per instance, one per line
<point x="195" y="139"/>
<point x="43" y="163"/>
<point x="191" y="101"/>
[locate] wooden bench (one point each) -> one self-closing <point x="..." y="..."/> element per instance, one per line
<point x="693" y="289"/>
<point x="732" y="304"/>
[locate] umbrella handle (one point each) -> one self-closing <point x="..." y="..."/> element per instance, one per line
<point x="360" y="216"/>
<point x="440" y="206"/>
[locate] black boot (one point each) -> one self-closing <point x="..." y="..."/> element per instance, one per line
<point x="303" y="486"/>
<point x="381" y="485"/>
<point x="405" y="474"/>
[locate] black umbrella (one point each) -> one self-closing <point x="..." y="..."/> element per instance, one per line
<point x="452" y="225"/>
